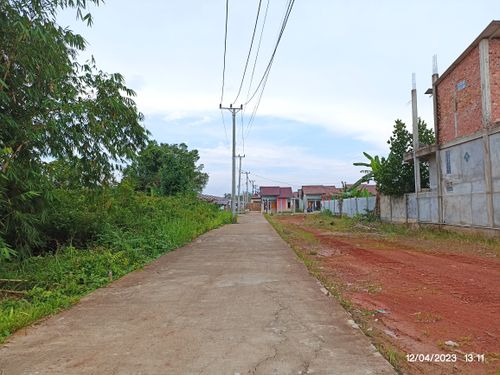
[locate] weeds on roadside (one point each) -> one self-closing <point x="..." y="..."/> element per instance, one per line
<point x="127" y="232"/>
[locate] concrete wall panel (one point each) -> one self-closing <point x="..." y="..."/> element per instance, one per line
<point x="385" y="208"/>
<point x="496" y="206"/>
<point x="479" y="209"/>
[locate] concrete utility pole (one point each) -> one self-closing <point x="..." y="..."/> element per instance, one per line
<point x="435" y="76"/>
<point x="416" y="143"/>
<point x="233" y="182"/>
<point x="245" y="200"/>
<point x="239" y="185"/>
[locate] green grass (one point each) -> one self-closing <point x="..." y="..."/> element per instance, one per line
<point x="135" y="230"/>
<point x="363" y="224"/>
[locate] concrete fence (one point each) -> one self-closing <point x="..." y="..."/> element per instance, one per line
<point x="460" y="209"/>
<point x="349" y="207"/>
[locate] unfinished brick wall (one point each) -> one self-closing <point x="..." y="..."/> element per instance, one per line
<point x="459" y="100"/>
<point x="494" y="47"/>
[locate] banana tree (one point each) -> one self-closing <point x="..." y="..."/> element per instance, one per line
<point x="375" y="166"/>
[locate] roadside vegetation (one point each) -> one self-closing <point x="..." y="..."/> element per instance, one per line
<point x="102" y="236"/>
<point x="85" y="195"/>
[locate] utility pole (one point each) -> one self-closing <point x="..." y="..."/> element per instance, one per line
<point x="245" y="201"/>
<point x="416" y="143"/>
<point x="233" y="182"/>
<point x="239" y="185"/>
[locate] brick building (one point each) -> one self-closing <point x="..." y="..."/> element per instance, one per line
<point x="465" y="161"/>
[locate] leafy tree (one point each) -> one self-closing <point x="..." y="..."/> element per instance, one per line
<point x="165" y="169"/>
<point x="54" y="107"/>
<point x="392" y="175"/>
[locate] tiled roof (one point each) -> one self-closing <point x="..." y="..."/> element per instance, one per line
<point x="276" y="191"/>
<point x="319" y="190"/>
<point x="269" y="191"/>
<point x="286" y="192"/>
<point x="372" y="189"/>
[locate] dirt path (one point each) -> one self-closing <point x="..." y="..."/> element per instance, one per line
<point x="418" y="294"/>
<point x="236" y="301"/>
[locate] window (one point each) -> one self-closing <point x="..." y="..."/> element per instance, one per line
<point x="289" y="204"/>
<point x="448" y="161"/>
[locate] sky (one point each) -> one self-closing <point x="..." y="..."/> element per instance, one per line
<point x="341" y="76"/>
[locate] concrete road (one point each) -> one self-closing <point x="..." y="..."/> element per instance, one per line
<point x="235" y="301"/>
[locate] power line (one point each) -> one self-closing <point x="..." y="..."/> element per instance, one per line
<point x="272" y="180"/>
<point x="271" y="60"/>
<point x="225" y="49"/>
<point x="258" y="49"/>
<point x="242" y="131"/>
<point x="249" y="52"/>
<point x="224" y="123"/>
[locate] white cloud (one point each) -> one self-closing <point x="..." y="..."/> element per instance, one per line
<point x="272" y="164"/>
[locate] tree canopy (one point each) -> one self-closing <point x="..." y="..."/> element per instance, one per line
<point x="392" y="175"/>
<point x="167" y="170"/>
<point x="53" y="107"/>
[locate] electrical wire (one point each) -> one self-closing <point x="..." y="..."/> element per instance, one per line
<point x="225" y="129"/>
<point x="225" y="50"/>
<point x="263" y="81"/>
<point x="242" y="132"/>
<point x="249" y="52"/>
<point x="271" y="60"/>
<point x="272" y="180"/>
<point x="258" y="50"/>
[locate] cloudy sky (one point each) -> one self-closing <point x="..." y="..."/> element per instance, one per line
<point x="341" y="76"/>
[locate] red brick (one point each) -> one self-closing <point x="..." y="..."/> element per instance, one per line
<point x="468" y="100"/>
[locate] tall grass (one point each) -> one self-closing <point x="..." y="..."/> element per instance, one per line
<point x="100" y="236"/>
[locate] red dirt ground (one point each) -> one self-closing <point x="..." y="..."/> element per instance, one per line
<point x="420" y="293"/>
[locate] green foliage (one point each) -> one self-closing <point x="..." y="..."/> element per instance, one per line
<point x="392" y="175"/>
<point x="53" y="107"/>
<point x="164" y="169"/>
<point x="374" y="164"/>
<point x="396" y="177"/>
<point x="128" y="231"/>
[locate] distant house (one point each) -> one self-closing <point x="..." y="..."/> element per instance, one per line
<point x="222" y="202"/>
<point x="312" y="195"/>
<point x="255" y="203"/>
<point x="276" y="199"/>
<point x="372" y="189"/>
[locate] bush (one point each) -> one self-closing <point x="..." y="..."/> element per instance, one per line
<point x="97" y="235"/>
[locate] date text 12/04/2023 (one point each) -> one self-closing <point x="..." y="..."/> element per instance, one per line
<point x="449" y="357"/>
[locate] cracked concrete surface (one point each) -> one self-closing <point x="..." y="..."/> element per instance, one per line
<point x="235" y="301"/>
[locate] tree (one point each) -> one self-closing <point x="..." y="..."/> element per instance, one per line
<point x="374" y="165"/>
<point x="392" y="175"/>
<point x="54" y="107"/>
<point x="167" y="170"/>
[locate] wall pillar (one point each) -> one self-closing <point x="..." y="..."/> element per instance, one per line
<point x="484" y="68"/>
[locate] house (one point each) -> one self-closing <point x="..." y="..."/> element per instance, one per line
<point x="372" y="189"/>
<point x="255" y="203"/>
<point x="223" y="203"/>
<point x="312" y="195"/>
<point x="464" y="164"/>
<point x="276" y="199"/>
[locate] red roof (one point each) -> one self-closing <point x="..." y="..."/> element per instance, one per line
<point x="319" y="190"/>
<point x="372" y="189"/>
<point x="286" y="192"/>
<point x="276" y="191"/>
<point x="269" y="190"/>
